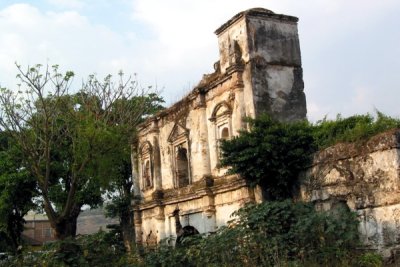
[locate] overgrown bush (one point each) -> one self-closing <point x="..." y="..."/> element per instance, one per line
<point x="352" y="129"/>
<point x="370" y="259"/>
<point x="100" y="249"/>
<point x="269" y="234"/>
<point x="275" y="233"/>
<point x="272" y="154"/>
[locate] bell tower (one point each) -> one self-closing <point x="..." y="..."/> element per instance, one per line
<point x="266" y="45"/>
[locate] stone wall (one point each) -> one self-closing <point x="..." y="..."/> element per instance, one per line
<point x="364" y="176"/>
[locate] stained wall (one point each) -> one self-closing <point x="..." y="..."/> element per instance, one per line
<point x="365" y="177"/>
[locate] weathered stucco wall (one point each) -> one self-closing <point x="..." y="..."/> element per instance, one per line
<point x="364" y="176"/>
<point x="276" y="68"/>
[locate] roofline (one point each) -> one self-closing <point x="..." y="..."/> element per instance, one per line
<point x="254" y="12"/>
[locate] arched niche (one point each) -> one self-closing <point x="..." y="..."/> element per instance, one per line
<point x="180" y="156"/>
<point x="182" y="166"/>
<point x="146" y="165"/>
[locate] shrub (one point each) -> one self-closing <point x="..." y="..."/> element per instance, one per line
<point x="269" y="234"/>
<point x="352" y="129"/>
<point x="370" y="259"/>
<point x="272" y="154"/>
<point x="100" y="249"/>
<point x="276" y="233"/>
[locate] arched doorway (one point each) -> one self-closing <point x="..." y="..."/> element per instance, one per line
<point x="187" y="231"/>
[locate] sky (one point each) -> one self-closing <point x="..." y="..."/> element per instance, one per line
<point x="350" y="49"/>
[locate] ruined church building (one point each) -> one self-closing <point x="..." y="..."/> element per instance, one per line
<point x="178" y="182"/>
<point x="259" y="70"/>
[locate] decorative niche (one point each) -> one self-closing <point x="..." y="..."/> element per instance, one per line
<point x="146" y="164"/>
<point x="180" y="156"/>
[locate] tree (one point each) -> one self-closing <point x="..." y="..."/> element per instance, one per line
<point x="122" y="182"/>
<point x="17" y="189"/>
<point x="69" y="140"/>
<point x="271" y="154"/>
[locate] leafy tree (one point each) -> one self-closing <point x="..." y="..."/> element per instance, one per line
<point x="271" y="154"/>
<point x="17" y="188"/>
<point x="68" y="140"/>
<point x="122" y="182"/>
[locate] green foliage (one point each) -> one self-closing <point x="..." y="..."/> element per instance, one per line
<point x="101" y="249"/>
<point x="352" y="129"/>
<point x="370" y="259"/>
<point x="280" y="233"/>
<point x="120" y="187"/>
<point x="269" y="234"/>
<point x="297" y="232"/>
<point x="272" y="154"/>
<point x="17" y="188"/>
<point x="73" y="144"/>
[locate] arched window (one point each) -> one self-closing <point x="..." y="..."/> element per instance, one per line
<point x="221" y="117"/>
<point x="225" y="133"/>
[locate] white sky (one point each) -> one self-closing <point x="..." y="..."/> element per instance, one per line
<point x="350" y="49"/>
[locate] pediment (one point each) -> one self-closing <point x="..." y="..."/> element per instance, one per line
<point x="178" y="131"/>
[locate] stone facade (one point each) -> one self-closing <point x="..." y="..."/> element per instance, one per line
<point x="366" y="178"/>
<point x="176" y="164"/>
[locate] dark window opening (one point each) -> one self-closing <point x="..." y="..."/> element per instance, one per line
<point x="182" y="167"/>
<point x="225" y="134"/>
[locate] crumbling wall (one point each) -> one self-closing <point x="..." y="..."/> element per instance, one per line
<point x="364" y="176"/>
<point x="275" y="63"/>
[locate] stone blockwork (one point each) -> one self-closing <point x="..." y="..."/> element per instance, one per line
<point x="365" y="177"/>
<point x="176" y="164"/>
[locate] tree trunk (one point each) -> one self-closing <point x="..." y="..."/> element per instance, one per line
<point x="127" y="230"/>
<point x="65" y="228"/>
<point x="13" y="236"/>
